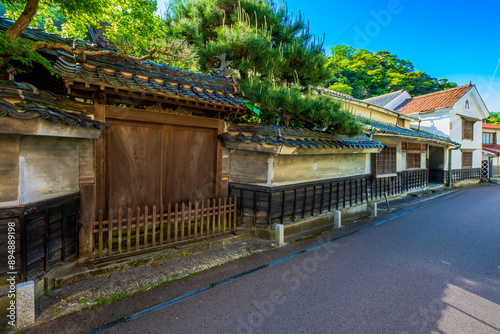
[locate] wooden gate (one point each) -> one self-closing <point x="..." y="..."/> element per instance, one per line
<point x="153" y="158"/>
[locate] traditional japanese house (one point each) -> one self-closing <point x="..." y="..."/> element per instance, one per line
<point x="454" y="113"/>
<point x="411" y="155"/>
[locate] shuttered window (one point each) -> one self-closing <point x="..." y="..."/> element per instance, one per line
<point x="468" y="127"/>
<point x="384" y="162"/>
<point x="466" y="159"/>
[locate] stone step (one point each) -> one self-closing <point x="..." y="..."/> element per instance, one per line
<point x="438" y="190"/>
<point x="420" y="193"/>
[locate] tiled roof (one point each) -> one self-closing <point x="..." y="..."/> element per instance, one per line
<point x="300" y="138"/>
<point x="404" y="132"/>
<point x="152" y="78"/>
<point x="434" y="100"/>
<point x="490" y="126"/>
<point x="21" y="101"/>
<point x="383" y="100"/>
<point x="335" y="93"/>
<point x="492" y="148"/>
<point x="144" y="76"/>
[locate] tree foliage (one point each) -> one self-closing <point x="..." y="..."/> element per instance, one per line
<point x="494" y="118"/>
<point x="365" y="74"/>
<point x="136" y="30"/>
<point x="274" y="58"/>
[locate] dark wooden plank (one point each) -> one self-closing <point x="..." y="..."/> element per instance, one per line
<point x="183" y="220"/>
<point x="129" y="229"/>
<point x="176" y="222"/>
<point x="137" y="228"/>
<point x="100" y="238"/>
<point x="120" y="230"/>
<point x="169" y="222"/>
<point x="110" y="233"/>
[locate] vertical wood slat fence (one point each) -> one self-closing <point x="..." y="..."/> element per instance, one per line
<point x="457" y="175"/>
<point x="125" y="233"/>
<point x="263" y="206"/>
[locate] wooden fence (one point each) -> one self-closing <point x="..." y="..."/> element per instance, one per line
<point x="263" y="206"/>
<point x="129" y="232"/>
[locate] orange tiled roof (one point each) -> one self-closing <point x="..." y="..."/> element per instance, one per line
<point x="492" y="148"/>
<point x="436" y="100"/>
<point x="490" y="126"/>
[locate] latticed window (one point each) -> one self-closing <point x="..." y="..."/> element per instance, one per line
<point x="413" y="160"/>
<point x="468" y="127"/>
<point x="488" y="138"/>
<point x="466" y="159"/>
<point x="413" y="154"/>
<point x="384" y="162"/>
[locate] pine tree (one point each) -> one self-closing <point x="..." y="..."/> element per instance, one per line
<point x="275" y="58"/>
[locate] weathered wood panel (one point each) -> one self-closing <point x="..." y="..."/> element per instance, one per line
<point x="191" y="173"/>
<point x="9" y="168"/>
<point x="133" y="166"/>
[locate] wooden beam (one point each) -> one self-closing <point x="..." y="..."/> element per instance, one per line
<point x="131" y="114"/>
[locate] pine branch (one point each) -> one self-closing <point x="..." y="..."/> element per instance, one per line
<point x="154" y="53"/>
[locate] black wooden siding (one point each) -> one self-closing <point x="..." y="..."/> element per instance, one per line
<point x="46" y="236"/>
<point x="457" y="175"/>
<point x="263" y="206"/>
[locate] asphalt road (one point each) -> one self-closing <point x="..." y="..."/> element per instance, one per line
<point x="433" y="270"/>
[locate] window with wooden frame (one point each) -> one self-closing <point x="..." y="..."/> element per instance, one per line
<point x="468" y="130"/>
<point x="413" y="154"/>
<point x="489" y="138"/>
<point x="466" y="159"/>
<point x="384" y="163"/>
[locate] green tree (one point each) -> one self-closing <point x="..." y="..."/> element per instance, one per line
<point x="137" y="31"/>
<point x="368" y="74"/>
<point x="494" y="118"/>
<point x="274" y="57"/>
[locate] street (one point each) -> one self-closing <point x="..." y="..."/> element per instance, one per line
<point x="433" y="270"/>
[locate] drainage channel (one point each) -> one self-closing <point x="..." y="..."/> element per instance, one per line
<point x="160" y="306"/>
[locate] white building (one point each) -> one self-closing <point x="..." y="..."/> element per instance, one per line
<point x="491" y="148"/>
<point x="455" y="113"/>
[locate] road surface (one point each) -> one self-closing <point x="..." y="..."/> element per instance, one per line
<point x="432" y="270"/>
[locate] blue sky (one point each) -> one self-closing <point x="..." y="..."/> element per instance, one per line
<point x="458" y="40"/>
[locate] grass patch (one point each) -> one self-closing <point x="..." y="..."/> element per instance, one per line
<point x="55" y="310"/>
<point x="184" y="254"/>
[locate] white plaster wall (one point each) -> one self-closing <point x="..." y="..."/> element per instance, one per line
<point x="437" y="123"/>
<point x="287" y="169"/>
<point x="457" y="131"/>
<point x="48" y="168"/>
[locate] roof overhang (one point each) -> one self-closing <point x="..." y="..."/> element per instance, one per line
<point x="468" y="118"/>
